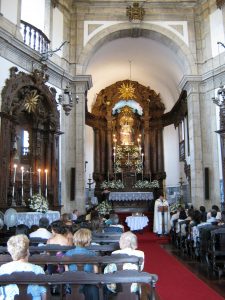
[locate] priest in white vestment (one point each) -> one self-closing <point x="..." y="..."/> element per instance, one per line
<point x="161" y="205"/>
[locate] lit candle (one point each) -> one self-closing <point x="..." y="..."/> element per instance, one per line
<point x="150" y="177"/>
<point x="128" y="156"/>
<point x="14" y="175"/>
<point x="39" y="181"/>
<point x="31" y="192"/>
<point x="46" y="183"/>
<point x="22" y="170"/>
<point x="89" y="176"/>
<point x="114" y="157"/>
<point x="142" y="157"/>
<point x="14" y="180"/>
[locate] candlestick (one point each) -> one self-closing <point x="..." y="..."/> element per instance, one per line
<point x="22" y="171"/>
<point x="46" y="184"/>
<point x="39" y="181"/>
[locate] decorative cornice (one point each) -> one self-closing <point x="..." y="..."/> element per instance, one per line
<point x="15" y="51"/>
<point x="220" y="3"/>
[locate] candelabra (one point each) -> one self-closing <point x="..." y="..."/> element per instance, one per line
<point x="90" y="182"/>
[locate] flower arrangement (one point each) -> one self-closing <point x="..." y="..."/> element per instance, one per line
<point x="104" y="207"/>
<point x="38" y="203"/>
<point x="145" y="184"/>
<point x="114" y="184"/>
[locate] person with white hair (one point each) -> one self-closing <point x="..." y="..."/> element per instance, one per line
<point x="128" y="245"/>
<point x="18" y="247"/>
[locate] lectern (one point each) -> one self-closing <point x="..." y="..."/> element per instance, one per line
<point x="162" y="209"/>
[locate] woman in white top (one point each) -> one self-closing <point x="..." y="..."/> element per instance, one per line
<point x="128" y="245"/>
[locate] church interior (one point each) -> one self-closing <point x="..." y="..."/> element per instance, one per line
<point x="117" y="103"/>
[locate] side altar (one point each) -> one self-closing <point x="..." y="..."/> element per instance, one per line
<point x="131" y="201"/>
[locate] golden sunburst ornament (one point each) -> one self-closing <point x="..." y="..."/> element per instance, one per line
<point x="31" y="101"/>
<point x="127" y="91"/>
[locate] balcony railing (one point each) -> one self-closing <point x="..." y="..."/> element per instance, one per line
<point x="34" y="37"/>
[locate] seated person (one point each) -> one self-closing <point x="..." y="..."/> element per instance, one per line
<point x="213" y="217"/>
<point x="82" y="239"/>
<point x="18" y="247"/>
<point x="128" y="245"/>
<point x="114" y="226"/>
<point x="218" y="213"/>
<point x="67" y="219"/>
<point x="75" y="215"/>
<point x="203" y="213"/>
<point x="59" y="234"/>
<point x="42" y="231"/>
<point x="22" y="229"/>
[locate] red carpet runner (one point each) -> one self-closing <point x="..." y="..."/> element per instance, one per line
<point x="175" y="282"/>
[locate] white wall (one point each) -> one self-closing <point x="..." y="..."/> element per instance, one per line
<point x="171" y="155"/>
<point x="216" y="31"/>
<point x="57" y="35"/>
<point x="33" y="12"/>
<point x="9" y="9"/>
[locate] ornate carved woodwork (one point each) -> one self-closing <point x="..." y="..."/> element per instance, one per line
<point x="28" y="104"/>
<point x="148" y="125"/>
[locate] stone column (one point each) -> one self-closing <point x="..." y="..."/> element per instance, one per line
<point x="160" y="155"/>
<point x="109" y="143"/>
<point x="73" y="149"/>
<point x="103" y="153"/>
<point x="146" y="145"/>
<point x="96" y="150"/>
<point x="195" y="136"/>
<point x="80" y="88"/>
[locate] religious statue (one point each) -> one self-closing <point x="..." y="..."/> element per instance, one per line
<point x="126" y="123"/>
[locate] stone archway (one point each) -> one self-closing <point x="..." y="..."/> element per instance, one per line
<point x="185" y="56"/>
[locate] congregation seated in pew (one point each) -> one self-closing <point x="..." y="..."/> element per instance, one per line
<point x="18" y="247"/>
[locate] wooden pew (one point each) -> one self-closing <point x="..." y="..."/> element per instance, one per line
<point x="53" y="249"/>
<point x="75" y="279"/>
<point x="80" y="260"/>
<point x="216" y="251"/>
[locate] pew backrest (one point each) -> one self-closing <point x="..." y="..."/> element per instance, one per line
<point x="75" y="279"/>
<point x="80" y="260"/>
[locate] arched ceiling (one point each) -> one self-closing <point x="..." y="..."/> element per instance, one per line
<point x="153" y="64"/>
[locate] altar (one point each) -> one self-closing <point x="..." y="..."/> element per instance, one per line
<point x="32" y="218"/>
<point x="131" y="201"/>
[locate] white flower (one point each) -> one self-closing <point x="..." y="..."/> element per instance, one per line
<point x="38" y="203"/>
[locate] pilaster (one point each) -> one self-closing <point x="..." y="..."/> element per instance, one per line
<point x="195" y="136"/>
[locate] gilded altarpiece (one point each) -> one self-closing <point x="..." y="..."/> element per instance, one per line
<point x="128" y="142"/>
<point x="29" y="141"/>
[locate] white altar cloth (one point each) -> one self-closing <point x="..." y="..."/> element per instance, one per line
<point x="137" y="222"/>
<point x="130" y="196"/>
<point x="32" y="218"/>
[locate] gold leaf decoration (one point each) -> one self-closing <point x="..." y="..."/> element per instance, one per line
<point x="127" y="91"/>
<point x="31" y="101"/>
